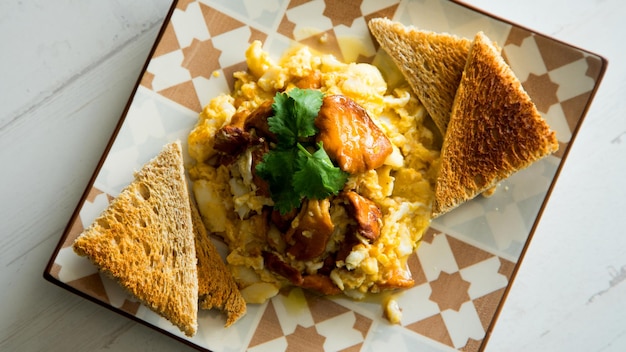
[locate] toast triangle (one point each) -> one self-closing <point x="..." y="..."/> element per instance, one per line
<point x="216" y="286"/>
<point x="431" y="62"/>
<point x="145" y="240"/>
<point x="494" y="130"/>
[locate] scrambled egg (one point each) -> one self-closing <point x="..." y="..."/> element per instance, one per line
<point x="402" y="188"/>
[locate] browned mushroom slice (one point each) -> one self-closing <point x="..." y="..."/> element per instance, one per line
<point x="258" y="120"/>
<point x="239" y="118"/>
<point x="280" y="267"/>
<point x="367" y="215"/>
<point x="283" y="221"/>
<point x="349" y="135"/>
<point x="314" y="282"/>
<point x="350" y="240"/>
<point x="310" y="230"/>
<point x="232" y="140"/>
<point x="320" y="283"/>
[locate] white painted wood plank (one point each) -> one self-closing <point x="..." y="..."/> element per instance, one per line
<point x="48" y="152"/>
<point x="46" y="44"/>
<point x="66" y="70"/>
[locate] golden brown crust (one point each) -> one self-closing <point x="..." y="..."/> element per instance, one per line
<point x="145" y="241"/>
<point x="431" y="62"/>
<point x="216" y="285"/>
<point x="494" y="130"/>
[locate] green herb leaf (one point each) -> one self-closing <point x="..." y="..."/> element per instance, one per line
<point x="291" y="171"/>
<point x="282" y="124"/>
<point x="316" y="177"/>
<point x="307" y="104"/>
<point x="294" y="115"/>
<point x="277" y="168"/>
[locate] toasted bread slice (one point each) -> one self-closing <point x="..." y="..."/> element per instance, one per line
<point x="145" y="240"/>
<point x="431" y="62"/>
<point x="216" y="285"/>
<point x="494" y="130"/>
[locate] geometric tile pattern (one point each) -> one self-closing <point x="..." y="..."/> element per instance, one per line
<point x="300" y="321"/>
<point x="195" y="31"/>
<point x="459" y="284"/>
<point x="465" y="261"/>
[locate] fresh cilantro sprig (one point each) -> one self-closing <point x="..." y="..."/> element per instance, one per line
<point x="294" y="115"/>
<point x="316" y="177"/>
<point x="296" y="167"/>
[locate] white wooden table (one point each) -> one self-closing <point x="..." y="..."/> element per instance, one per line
<point x="66" y="71"/>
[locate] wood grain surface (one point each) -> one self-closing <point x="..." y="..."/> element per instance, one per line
<point x="67" y="69"/>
